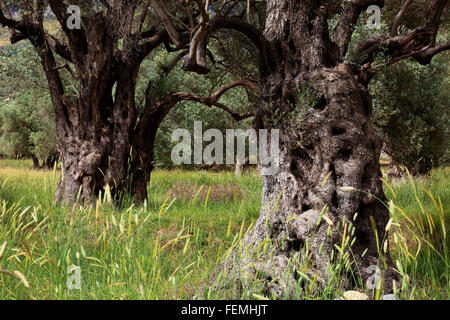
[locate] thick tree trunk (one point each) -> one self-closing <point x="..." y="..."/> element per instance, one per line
<point x="36" y="165"/>
<point x="327" y="146"/>
<point x="144" y="141"/>
<point x="50" y="162"/>
<point x="94" y="164"/>
<point x="329" y="173"/>
<point x="142" y="162"/>
<point x="88" y="167"/>
<point x="96" y="138"/>
<point x="95" y="123"/>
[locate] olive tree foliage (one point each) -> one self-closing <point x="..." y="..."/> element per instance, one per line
<point x="184" y="115"/>
<point x="27" y="124"/>
<point x="411" y="107"/>
<point x="411" y="103"/>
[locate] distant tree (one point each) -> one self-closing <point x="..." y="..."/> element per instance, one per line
<point x="28" y="129"/>
<point x="26" y="113"/>
<point x="411" y="107"/>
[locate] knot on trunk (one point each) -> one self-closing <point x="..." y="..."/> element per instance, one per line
<point x="89" y="163"/>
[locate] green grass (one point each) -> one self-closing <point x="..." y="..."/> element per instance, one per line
<point x="420" y="232"/>
<point x="161" y="251"/>
<point x="168" y="248"/>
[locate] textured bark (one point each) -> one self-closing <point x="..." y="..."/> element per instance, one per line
<point x="95" y="146"/>
<point x="95" y="127"/>
<point x="331" y="146"/>
<point x="327" y="142"/>
<point x="329" y="171"/>
<point x="36" y="165"/>
<point x="100" y="140"/>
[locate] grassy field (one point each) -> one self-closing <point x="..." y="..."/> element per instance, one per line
<point x="167" y="249"/>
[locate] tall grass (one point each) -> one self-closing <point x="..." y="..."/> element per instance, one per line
<point x="163" y="250"/>
<point x="168" y="248"/>
<point x="420" y="233"/>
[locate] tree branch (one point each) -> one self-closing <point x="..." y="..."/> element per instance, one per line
<point x="171" y="100"/>
<point x="161" y="11"/>
<point x="68" y="68"/>
<point x="245" y="83"/>
<point x="419" y="43"/>
<point x="77" y="38"/>
<point x="347" y="21"/>
<point x="105" y="4"/>
<point x="58" y="47"/>
<point x="398" y="18"/>
<point x="152" y="41"/>
<point x="155" y="112"/>
<point x="196" y="60"/>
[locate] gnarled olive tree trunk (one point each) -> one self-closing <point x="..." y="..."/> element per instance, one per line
<point x="97" y="133"/>
<point x="327" y="191"/>
<point x="329" y="175"/>
<point x="96" y="115"/>
<point x="323" y="212"/>
<point x="95" y="127"/>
